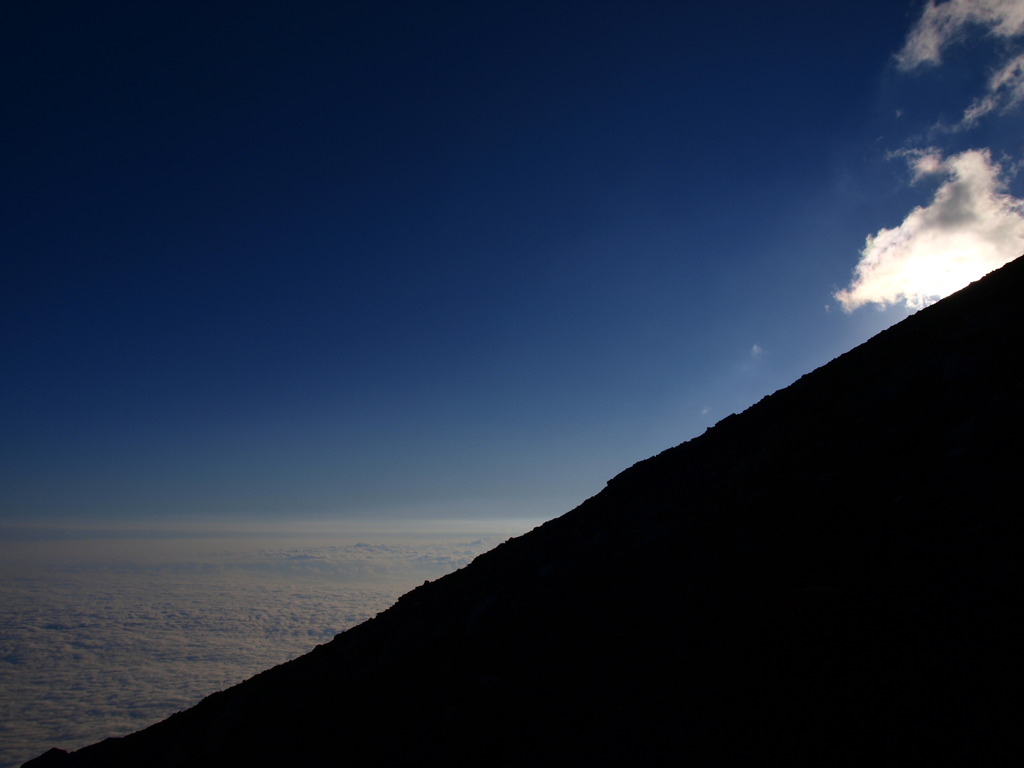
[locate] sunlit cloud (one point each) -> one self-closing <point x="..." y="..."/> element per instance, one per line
<point x="944" y="23"/>
<point x="971" y="227"/>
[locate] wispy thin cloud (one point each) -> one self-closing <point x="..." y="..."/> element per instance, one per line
<point x="922" y="162"/>
<point x="971" y="227"/>
<point x="942" y="24"/>
<point x="1004" y="92"/>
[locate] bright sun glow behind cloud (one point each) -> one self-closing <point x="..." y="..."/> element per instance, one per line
<point x="971" y="227"/>
<point x="972" y="224"/>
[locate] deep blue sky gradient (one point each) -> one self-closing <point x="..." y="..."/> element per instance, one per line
<point x="384" y="259"/>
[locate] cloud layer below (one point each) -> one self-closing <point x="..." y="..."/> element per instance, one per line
<point x="971" y="227"/>
<point x="103" y="637"/>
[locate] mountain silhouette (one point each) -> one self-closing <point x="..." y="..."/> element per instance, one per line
<point x="831" y="578"/>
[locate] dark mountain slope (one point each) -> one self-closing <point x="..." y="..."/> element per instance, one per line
<point x="831" y="578"/>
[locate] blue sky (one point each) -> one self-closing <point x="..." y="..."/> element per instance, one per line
<point x="282" y="262"/>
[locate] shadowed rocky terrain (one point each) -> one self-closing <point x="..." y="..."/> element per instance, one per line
<point x="832" y="578"/>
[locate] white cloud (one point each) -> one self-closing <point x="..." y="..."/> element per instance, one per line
<point x="945" y="23"/>
<point x="971" y="227"/>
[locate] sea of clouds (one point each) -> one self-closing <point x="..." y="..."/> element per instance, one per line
<point x="103" y="636"/>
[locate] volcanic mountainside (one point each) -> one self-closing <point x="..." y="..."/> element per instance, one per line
<point x="832" y="577"/>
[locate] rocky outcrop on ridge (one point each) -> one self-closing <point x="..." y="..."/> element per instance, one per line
<point x="832" y="577"/>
